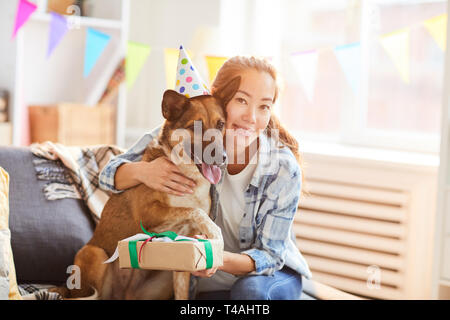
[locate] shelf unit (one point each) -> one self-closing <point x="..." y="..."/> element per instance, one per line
<point x="84" y="21"/>
<point x="32" y="79"/>
<point x="441" y="263"/>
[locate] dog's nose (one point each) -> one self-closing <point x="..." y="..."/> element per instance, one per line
<point x="224" y="158"/>
<point x="219" y="160"/>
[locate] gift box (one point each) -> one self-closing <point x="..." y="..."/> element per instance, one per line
<point x="168" y="251"/>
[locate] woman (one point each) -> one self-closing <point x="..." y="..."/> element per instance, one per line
<point x="256" y="199"/>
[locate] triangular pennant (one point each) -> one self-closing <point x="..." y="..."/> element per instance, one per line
<point x="24" y="11"/>
<point x="171" y="58"/>
<point x="188" y="80"/>
<point x="305" y="63"/>
<point x="137" y="53"/>
<point x="58" y="28"/>
<point x="349" y="57"/>
<point x="437" y="27"/>
<point x="396" y="45"/>
<point x="96" y="42"/>
<point x="214" y="63"/>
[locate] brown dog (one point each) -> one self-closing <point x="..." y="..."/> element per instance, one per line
<point x="158" y="211"/>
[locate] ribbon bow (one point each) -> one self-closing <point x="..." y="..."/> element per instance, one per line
<point x="135" y="258"/>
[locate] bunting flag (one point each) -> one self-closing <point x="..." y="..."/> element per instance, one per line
<point x="24" y="11"/>
<point x="137" y="54"/>
<point x="58" y="28"/>
<point x="437" y="27"/>
<point x="305" y="64"/>
<point x="396" y="45"/>
<point x="349" y="57"/>
<point x="214" y="64"/>
<point x="171" y="61"/>
<point x="96" y="43"/>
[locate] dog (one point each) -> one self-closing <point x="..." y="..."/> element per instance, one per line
<point x="158" y="211"/>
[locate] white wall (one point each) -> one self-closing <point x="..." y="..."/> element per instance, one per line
<point x="7" y="48"/>
<point x="221" y="27"/>
<point x="164" y="24"/>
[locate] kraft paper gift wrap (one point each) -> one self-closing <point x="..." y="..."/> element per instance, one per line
<point x="167" y="251"/>
<point x="176" y="256"/>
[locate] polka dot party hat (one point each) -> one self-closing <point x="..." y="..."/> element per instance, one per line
<point x="188" y="80"/>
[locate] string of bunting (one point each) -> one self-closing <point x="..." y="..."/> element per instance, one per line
<point x="396" y="45"/>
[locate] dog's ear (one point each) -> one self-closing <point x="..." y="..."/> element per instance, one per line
<point x="227" y="92"/>
<point x="173" y="105"/>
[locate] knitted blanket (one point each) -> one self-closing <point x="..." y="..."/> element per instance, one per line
<point x="76" y="172"/>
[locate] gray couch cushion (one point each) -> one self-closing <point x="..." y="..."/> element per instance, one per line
<point x="45" y="235"/>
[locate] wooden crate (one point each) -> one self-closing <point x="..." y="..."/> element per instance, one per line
<point x="60" y="6"/>
<point x="72" y="124"/>
<point x="5" y="134"/>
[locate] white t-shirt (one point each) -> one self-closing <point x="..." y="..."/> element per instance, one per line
<point x="229" y="215"/>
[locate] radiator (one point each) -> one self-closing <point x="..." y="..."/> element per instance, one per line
<point x="359" y="237"/>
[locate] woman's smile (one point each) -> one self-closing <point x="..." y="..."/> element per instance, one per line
<point x="248" y="112"/>
<point x="242" y="130"/>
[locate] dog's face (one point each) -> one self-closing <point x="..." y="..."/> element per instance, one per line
<point x="195" y="127"/>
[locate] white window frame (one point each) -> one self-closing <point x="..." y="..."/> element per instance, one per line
<point x="354" y="127"/>
<point x="353" y="130"/>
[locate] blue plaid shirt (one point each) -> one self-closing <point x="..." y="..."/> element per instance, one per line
<point x="272" y="197"/>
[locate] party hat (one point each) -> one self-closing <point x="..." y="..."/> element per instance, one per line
<point x="188" y="80"/>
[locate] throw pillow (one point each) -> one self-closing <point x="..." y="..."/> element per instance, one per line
<point x="7" y="270"/>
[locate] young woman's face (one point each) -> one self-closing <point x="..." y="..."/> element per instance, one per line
<point x="248" y="112"/>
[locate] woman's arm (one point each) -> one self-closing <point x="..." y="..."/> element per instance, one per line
<point x="107" y="178"/>
<point x="237" y="263"/>
<point x="234" y="263"/>
<point x="160" y="174"/>
<point x="127" y="175"/>
<point x="127" y="170"/>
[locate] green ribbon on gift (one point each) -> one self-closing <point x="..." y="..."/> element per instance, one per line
<point x="133" y="254"/>
<point x="132" y="247"/>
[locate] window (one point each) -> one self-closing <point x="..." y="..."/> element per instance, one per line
<point x="361" y="72"/>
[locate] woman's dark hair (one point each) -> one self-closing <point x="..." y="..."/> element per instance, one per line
<point x="232" y="68"/>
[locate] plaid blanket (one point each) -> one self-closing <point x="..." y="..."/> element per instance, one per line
<point x="38" y="292"/>
<point x="76" y="172"/>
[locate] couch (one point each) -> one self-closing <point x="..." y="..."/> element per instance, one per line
<point x="45" y="235"/>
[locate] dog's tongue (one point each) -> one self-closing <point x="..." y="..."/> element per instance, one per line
<point x="211" y="173"/>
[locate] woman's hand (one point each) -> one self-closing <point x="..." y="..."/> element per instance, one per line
<point x="163" y="175"/>
<point x="207" y="273"/>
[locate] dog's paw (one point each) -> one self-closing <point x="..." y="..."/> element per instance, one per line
<point x="214" y="232"/>
<point x="206" y="225"/>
